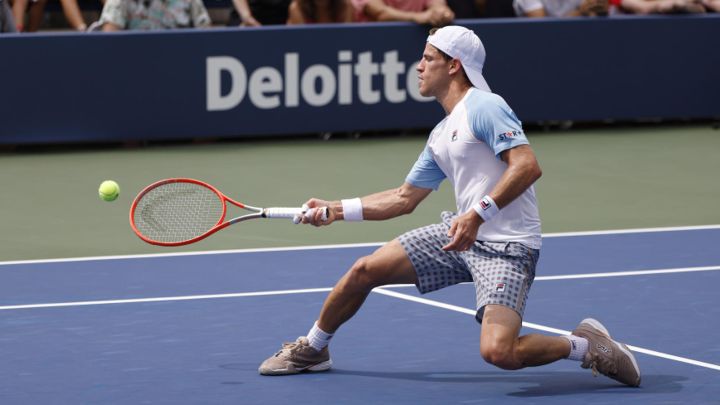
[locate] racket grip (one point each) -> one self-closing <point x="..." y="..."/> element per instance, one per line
<point x="294" y="213"/>
<point x="282" y="212"/>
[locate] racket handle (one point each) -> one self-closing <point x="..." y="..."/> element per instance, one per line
<point x="281" y="212"/>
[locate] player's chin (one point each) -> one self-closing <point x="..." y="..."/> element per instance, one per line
<point x="424" y="91"/>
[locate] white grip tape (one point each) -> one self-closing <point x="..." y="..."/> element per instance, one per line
<point x="281" y="212"/>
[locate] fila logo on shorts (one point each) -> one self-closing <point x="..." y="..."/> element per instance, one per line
<point x="500" y="287"/>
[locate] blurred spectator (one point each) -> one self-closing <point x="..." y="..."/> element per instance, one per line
<point x="251" y="13"/>
<point x="7" y="24"/>
<point x="498" y="9"/>
<point x="70" y="8"/>
<point x="659" y="6"/>
<point x="712" y="5"/>
<point x="242" y="10"/>
<point x="432" y="12"/>
<point x="152" y="15"/>
<point x="466" y="8"/>
<point x="35" y="10"/>
<point x="560" y="8"/>
<point x="319" y="11"/>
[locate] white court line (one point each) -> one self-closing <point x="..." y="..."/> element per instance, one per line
<point x="339" y="246"/>
<point x="629" y="273"/>
<point x="388" y="293"/>
<point x="633" y="230"/>
<point x="530" y="325"/>
<point x="163" y="299"/>
<point x="601" y="275"/>
<point x="200" y="253"/>
<point x="312" y="290"/>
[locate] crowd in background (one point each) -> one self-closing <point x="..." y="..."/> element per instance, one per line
<point x="27" y="15"/>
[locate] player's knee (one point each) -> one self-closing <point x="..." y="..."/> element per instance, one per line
<point x="501" y="356"/>
<point x="360" y="275"/>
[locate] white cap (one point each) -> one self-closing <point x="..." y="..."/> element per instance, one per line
<point x="461" y="43"/>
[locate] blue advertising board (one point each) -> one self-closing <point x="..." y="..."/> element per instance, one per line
<point x="354" y="77"/>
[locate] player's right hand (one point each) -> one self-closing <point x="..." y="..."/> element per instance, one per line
<point x="317" y="212"/>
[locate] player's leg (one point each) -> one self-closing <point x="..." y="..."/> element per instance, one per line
<point x="387" y="265"/>
<point x="503" y="275"/>
<point x="501" y="345"/>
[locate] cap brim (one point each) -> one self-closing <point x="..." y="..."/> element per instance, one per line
<point x="477" y="80"/>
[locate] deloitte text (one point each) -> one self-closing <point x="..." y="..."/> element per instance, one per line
<point x="317" y="85"/>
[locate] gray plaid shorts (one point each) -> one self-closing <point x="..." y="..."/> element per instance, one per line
<point x="501" y="271"/>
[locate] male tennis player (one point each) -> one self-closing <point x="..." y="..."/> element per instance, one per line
<point x="493" y="241"/>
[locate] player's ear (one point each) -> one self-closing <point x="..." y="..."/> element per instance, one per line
<point x="454" y="66"/>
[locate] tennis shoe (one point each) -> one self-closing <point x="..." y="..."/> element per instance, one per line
<point x="607" y="356"/>
<point x="296" y="357"/>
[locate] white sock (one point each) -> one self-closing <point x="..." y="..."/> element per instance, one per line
<point x="578" y="347"/>
<point x="318" y="338"/>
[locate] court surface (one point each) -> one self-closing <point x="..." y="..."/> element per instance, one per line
<point x="192" y="328"/>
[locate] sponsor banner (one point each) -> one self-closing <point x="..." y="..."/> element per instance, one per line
<point x="68" y="87"/>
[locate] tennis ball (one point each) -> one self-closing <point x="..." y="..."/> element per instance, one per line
<point x="109" y="190"/>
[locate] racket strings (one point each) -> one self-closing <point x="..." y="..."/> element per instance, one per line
<point x="177" y="212"/>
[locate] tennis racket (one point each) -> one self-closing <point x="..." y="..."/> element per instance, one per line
<point x="175" y="212"/>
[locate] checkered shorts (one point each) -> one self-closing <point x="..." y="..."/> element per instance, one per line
<point x="501" y="271"/>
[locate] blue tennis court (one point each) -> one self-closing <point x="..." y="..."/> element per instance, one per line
<point x="193" y="328"/>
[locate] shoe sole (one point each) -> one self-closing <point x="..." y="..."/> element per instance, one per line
<point x="597" y="325"/>
<point x="324" y="366"/>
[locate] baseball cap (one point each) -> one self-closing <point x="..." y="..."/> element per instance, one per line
<point x="461" y="43"/>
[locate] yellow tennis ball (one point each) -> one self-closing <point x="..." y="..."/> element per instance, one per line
<point x="109" y="190"/>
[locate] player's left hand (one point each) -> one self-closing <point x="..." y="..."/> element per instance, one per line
<point x="463" y="232"/>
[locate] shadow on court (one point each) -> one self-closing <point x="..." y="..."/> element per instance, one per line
<point x="517" y="384"/>
<point x="533" y="384"/>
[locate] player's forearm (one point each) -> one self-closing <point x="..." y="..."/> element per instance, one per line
<point x="521" y="173"/>
<point x="387" y="204"/>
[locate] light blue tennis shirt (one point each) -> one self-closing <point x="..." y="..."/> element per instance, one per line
<point x="465" y="148"/>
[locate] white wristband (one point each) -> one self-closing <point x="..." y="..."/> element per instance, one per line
<point x="486" y="208"/>
<point x="352" y="209"/>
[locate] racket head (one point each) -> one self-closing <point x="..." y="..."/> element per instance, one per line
<point x="179" y="211"/>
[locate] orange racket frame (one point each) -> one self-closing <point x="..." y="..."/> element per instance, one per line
<point x="257" y="212"/>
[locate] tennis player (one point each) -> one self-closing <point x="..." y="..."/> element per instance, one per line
<point x="493" y="241"/>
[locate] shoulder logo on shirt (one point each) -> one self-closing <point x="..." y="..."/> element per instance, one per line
<point x="500" y="287"/>
<point x="453" y="138"/>
<point x="509" y="135"/>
